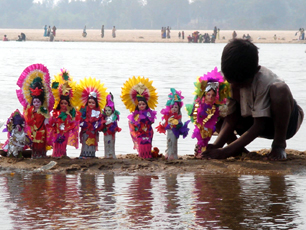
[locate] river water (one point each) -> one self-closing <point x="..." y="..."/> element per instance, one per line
<point x="172" y="201"/>
<point x="183" y="201"/>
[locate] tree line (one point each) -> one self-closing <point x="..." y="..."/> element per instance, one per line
<point x="153" y="14"/>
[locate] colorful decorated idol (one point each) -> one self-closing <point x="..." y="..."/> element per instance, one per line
<point x="111" y="117"/>
<point x="140" y="97"/>
<point x="65" y="120"/>
<point x="171" y="122"/>
<point x="91" y="97"/>
<point x="18" y="140"/>
<point x="211" y="92"/>
<point x="36" y="97"/>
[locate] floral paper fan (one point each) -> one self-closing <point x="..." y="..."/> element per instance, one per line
<point x="63" y="84"/>
<point x="139" y="86"/>
<point x="223" y="90"/>
<point x="175" y="96"/>
<point x="28" y="76"/>
<point x="87" y="86"/>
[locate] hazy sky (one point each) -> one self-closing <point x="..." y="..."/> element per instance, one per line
<point x="55" y="1"/>
<point x="42" y="0"/>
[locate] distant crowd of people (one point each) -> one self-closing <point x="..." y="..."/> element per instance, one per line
<point x="234" y="35"/>
<point x="21" y="37"/>
<point x="84" y="33"/>
<point x="50" y="32"/>
<point x="181" y="35"/>
<point x="165" y="32"/>
<point x="197" y="37"/>
<point x="246" y="36"/>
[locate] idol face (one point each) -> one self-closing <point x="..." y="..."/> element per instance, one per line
<point x="108" y="111"/>
<point x="210" y="97"/>
<point x="64" y="105"/>
<point x="36" y="103"/>
<point x="19" y="127"/>
<point x="91" y="103"/>
<point x="175" y="108"/>
<point x="142" y="105"/>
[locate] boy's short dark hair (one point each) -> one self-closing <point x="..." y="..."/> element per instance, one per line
<point x="239" y="61"/>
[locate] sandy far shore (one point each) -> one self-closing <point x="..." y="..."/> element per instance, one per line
<point x="253" y="163"/>
<point x="258" y="36"/>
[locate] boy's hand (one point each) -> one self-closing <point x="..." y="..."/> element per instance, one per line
<point x="211" y="146"/>
<point x="213" y="154"/>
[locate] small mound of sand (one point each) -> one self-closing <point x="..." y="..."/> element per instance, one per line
<point x="254" y="163"/>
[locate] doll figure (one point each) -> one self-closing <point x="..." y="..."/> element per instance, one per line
<point x="36" y="121"/>
<point x="211" y="92"/>
<point x="139" y="97"/>
<point x="91" y="121"/>
<point x="64" y="122"/>
<point x="140" y="124"/>
<point x="18" y="140"/>
<point x="111" y="117"/>
<point x="171" y="122"/>
<point x="91" y="98"/>
<point x="36" y="97"/>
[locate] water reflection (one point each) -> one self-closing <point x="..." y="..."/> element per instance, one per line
<point x="172" y="198"/>
<point x="39" y="198"/>
<point x="217" y="202"/>
<point x="271" y="200"/>
<point x="184" y="201"/>
<point x="108" y="204"/>
<point x="140" y="201"/>
<point x="88" y="206"/>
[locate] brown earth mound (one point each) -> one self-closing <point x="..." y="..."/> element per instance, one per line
<point x="253" y="163"/>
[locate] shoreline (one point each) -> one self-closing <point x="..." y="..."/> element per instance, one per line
<point x="149" y="36"/>
<point x="253" y="163"/>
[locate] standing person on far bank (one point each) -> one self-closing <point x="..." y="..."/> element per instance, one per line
<point x="84" y="34"/>
<point x="168" y="32"/>
<point x="54" y="31"/>
<point x="102" y="31"/>
<point x="45" y="31"/>
<point x="234" y="35"/>
<point x="183" y="35"/>
<point x="261" y="105"/>
<point x="215" y="31"/>
<point x="114" y="32"/>
<point x="48" y="31"/>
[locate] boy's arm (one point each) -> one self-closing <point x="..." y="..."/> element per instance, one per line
<point x="227" y="129"/>
<point x="240" y="143"/>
